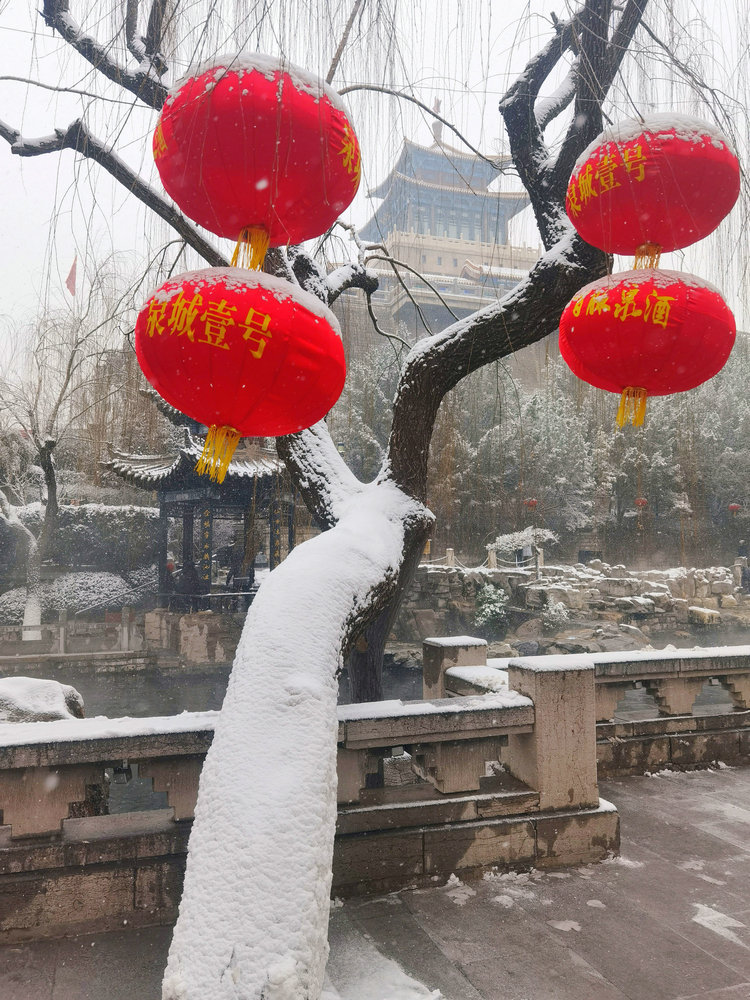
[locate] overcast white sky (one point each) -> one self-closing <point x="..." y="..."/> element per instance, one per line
<point x="58" y="205"/>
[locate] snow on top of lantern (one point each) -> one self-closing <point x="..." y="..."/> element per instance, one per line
<point x="237" y="279"/>
<point x="660" y="277"/>
<point x="667" y="125"/>
<point x="267" y="66"/>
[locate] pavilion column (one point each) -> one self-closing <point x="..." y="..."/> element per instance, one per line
<point x="274" y="531"/>
<point x="291" y="524"/>
<point x="162" y="555"/>
<point x="187" y="536"/>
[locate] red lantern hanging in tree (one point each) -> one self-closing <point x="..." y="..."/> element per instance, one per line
<point x="653" y="186"/>
<point x="641" y="502"/>
<point x="531" y="503"/>
<point x="243" y="352"/>
<point x="734" y="508"/>
<point x="255" y="148"/>
<point x="646" y="333"/>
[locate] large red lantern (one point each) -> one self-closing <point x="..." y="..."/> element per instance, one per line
<point x="646" y="333"/>
<point x="243" y="352"/>
<point x="256" y="144"/>
<point x="666" y="181"/>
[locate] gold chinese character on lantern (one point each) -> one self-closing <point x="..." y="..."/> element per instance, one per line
<point x="184" y="314"/>
<point x="586" y="184"/>
<point x="626" y="307"/>
<point x="605" y="173"/>
<point x="578" y="304"/>
<point x="635" y="162"/>
<point x="155" y="320"/>
<point x="573" y="200"/>
<point x="160" y="143"/>
<point x="597" y="304"/>
<point x="350" y="153"/>
<point x="658" y="308"/>
<point x="256" y="331"/>
<point x="218" y="319"/>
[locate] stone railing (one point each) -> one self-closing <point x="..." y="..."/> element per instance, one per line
<point x="675" y="736"/>
<point x="425" y="789"/>
<point x="69" y="635"/>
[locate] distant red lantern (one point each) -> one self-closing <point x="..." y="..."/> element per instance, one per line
<point x="641" y="502"/>
<point x="254" y="143"/>
<point x="243" y="352"/>
<point x="646" y="333"/>
<point x="734" y="508"/>
<point x="531" y="503"/>
<point x="666" y="181"/>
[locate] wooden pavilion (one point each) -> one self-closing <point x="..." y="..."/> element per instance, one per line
<point x="255" y="490"/>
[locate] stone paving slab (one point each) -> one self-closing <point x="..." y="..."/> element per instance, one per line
<point x="668" y="920"/>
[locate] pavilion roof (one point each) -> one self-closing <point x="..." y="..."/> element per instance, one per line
<point x="160" y="472"/>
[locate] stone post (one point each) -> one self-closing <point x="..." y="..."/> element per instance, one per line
<point x="450" y="557"/>
<point x="491" y="559"/>
<point x="62" y="631"/>
<point x="125" y="630"/>
<point x="439" y="654"/>
<point x="557" y="759"/>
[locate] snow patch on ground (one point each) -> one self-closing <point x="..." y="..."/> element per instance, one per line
<point x="457" y="891"/>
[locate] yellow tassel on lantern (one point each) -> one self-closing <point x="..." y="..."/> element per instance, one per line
<point x="632" y="407"/>
<point x="217" y="452"/>
<point x="251" y="248"/>
<point x="647" y="255"/>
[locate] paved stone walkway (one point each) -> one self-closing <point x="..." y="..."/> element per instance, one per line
<point x="668" y="919"/>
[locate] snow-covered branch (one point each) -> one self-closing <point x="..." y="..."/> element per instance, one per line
<point x="78" y="138"/>
<point x="436" y="364"/>
<point x="586" y="33"/>
<point x="547" y="109"/>
<point x="143" y="82"/>
<point x="319" y="472"/>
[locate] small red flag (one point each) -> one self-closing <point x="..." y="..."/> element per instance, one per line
<point x="70" y="281"/>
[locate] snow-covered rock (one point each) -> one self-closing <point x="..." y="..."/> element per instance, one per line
<point x="30" y="699"/>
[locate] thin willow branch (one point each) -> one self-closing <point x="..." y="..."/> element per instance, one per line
<point x="414" y="100"/>
<point x="344" y="39"/>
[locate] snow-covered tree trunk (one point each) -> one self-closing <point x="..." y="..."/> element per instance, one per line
<point x="26" y="542"/>
<point x="254" y="915"/>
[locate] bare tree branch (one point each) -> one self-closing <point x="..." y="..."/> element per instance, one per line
<point x="141" y="82"/>
<point x="80" y="140"/>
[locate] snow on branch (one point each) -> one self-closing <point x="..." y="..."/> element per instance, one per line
<point x="547" y="109"/>
<point x="320" y="473"/>
<point x="78" y="138"/>
<point x="143" y="82"/>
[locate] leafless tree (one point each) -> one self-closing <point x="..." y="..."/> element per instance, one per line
<point x="57" y="379"/>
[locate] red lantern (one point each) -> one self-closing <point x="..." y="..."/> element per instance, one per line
<point x="641" y="502"/>
<point x="531" y="503"/>
<point x="646" y="333"/>
<point x="253" y="143"/>
<point x="734" y="508"/>
<point x="243" y="352"/>
<point x="666" y="181"/>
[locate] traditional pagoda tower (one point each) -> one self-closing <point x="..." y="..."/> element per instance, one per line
<point x="439" y="216"/>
